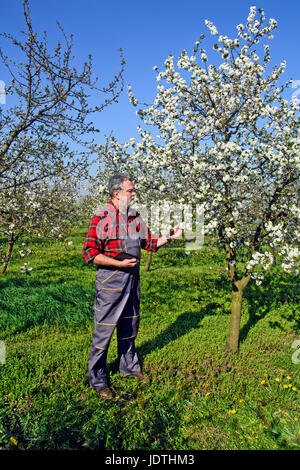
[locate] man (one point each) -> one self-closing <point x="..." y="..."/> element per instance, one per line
<point x="113" y="242"/>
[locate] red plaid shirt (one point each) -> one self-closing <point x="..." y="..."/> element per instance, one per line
<point x="104" y="234"/>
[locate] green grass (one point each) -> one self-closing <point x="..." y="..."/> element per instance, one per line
<point x="198" y="396"/>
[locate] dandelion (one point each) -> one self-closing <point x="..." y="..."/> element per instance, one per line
<point x="14" y="441"/>
<point x="288" y="377"/>
<point x="207" y="394"/>
<point x="262" y="382"/>
<point x="232" y="412"/>
<point x="294" y="388"/>
<point x="285" y="386"/>
<point x="277" y="379"/>
<point x="295" y="419"/>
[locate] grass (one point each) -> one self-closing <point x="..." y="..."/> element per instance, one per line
<point x="198" y="396"/>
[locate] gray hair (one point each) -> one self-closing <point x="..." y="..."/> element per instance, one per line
<point x="116" y="183"/>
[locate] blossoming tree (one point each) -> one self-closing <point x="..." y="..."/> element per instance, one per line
<point x="44" y="135"/>
<point x="228" y="138"/>
<point x="42" y="209"/>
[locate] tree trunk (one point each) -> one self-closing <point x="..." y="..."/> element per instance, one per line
<point x="236" y="310"/>
<point x="148" y="262"/>
<point x="7" y="257"/>
<point x="235" y="319"/>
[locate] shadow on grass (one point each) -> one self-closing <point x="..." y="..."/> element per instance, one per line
<point x="26" y="303"/>
<point x="183" y="324"/>
<point x="76" y="261"/>
<point x="186" y="322"/>
<point x="40" y="273"/>
<point x="277" y="290"/>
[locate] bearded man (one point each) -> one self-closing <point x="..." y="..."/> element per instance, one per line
<point x="113" y="243"/>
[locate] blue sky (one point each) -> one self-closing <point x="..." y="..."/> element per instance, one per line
<point x="147" y="31"/>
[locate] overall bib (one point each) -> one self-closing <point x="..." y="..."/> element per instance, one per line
<point x="117" y="304"/>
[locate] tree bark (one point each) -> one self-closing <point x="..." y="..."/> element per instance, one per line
<point x="148" y="262"/>
<point x="9" y="250"/>
<point x="238" y="288"/>
<point x="235" y="319"/>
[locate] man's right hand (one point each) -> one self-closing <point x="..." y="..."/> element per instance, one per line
<point x="128" y="263"/>
<point x="104" y="260"/>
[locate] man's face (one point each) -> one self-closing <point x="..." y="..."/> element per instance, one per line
<point x="127" y="194"/>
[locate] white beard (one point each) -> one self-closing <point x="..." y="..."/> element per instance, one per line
<point x="124" y="204"/>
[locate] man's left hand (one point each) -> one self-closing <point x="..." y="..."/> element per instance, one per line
<point x="176" y="232"/>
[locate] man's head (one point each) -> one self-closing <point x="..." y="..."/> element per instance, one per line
<point x="121" y="190"/>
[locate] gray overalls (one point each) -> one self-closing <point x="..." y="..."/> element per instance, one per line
<point x="116" y="305"/>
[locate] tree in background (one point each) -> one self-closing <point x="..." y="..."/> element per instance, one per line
<point x="228" y="139"/>
<point x="40" y="132"/>
<point x="43" y="209"/>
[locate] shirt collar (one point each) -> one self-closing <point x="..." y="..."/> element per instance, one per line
<point x="111" y="205"/>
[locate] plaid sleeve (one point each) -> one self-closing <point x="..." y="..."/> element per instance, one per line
<point x="92" y="245"/>
<point x="148" y="242"/>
